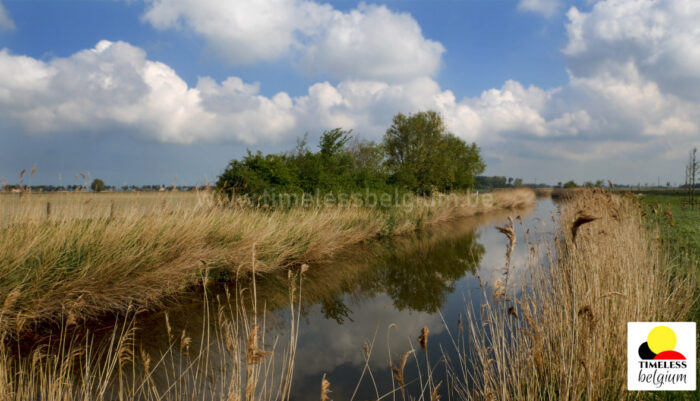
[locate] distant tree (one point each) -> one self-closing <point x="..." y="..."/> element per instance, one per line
<point x="483" y="182"/>
<point x="559" y="184"/>
<point x="98" y="185"/>
<point x="518" y="182"/>
<point x="570" y="184"/>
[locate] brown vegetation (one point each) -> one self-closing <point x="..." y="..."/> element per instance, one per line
<point x="96" y="254"/>
<point x="543" y="192"/>
<point x="602" y="273"/>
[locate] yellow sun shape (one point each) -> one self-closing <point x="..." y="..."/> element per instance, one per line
<point x="660" y="339"/>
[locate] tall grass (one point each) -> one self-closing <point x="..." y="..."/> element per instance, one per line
<point x="87" y="258"/>
<point x="114" y="366"/>
<point x="563" y="337"/>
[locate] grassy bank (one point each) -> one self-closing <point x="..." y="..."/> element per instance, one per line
<point x="87" y="255"/>
<point x="565" y="338"/>
<point x="679" y="230"/>
<point x="679" y="225"/>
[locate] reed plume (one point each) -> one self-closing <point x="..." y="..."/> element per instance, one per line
<point x="325" y="389"/>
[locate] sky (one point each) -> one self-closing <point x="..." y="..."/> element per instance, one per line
<point x="169" y="91"/>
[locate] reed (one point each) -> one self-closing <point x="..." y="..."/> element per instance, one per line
<point x="560" y="337"/>
<point x="228" y="359"/>
<point x="97" y="254"/>
<point x="544" y="192"/>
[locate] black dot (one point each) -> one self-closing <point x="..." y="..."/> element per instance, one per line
<point x="645" y="352"/>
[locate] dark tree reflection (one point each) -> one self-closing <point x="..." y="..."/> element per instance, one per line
<point x="420" y="273"/>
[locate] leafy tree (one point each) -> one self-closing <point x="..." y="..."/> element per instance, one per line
<point x="464" y="163"/>
<point x="570" y="184"/>
<point x="97" y="185"/>
<point x="422" y="156"/>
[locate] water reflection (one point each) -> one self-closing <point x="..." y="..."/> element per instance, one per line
<point x="381" y="290"/>
<point x="405" y="282"/>
<point x="417" y="272"/>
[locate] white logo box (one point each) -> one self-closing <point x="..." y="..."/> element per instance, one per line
<point x="656" y="375"/>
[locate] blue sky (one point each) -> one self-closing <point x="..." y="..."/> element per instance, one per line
<point x="138" y="92"/>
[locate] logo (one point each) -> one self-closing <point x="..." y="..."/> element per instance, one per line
<point x="661" y="356"/>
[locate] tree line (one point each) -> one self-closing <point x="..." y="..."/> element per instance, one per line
<point x="417" y="154"/>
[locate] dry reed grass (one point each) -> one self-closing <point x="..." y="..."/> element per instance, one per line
<point x="115" y="367"/>
<point x="543" y="192"/>
<point x="102" y="253"/>
<point x="563" y="338"/>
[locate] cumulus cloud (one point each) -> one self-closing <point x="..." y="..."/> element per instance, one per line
<point x="114" y="87"/>
<point x="369" y="42"/>
<point x="5" y="20"/>
<point x="546" y="8"/>
<point x="343" y="346"/>
<point x="659" y="40"/>
<point x="632" y="92"/>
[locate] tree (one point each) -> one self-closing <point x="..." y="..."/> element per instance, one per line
<point x="423" y="156"/>
<point x="570" y="184"/>
<point x="98" y="185"/>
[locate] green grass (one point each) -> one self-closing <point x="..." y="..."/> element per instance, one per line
<point x="682" y="234"/>
<point x="685" y="233"/>
<point x="681" y="237"/>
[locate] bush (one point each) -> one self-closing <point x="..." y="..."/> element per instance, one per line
<point x="97" y="185"/>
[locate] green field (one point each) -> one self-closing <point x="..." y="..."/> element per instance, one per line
<point x="681" y="236"/>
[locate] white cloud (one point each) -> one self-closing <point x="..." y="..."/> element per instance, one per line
<point x="546" y="8"/>
<point x="342" y="345"/>
<point x="372" y="42"/>
<point x="113" y="87"/>
<point x="660" y="39"/>
<point x="5" y="20"/>
<point x="369" y="42"/>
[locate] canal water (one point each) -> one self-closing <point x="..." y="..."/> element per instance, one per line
<point x="378" y="296"/>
